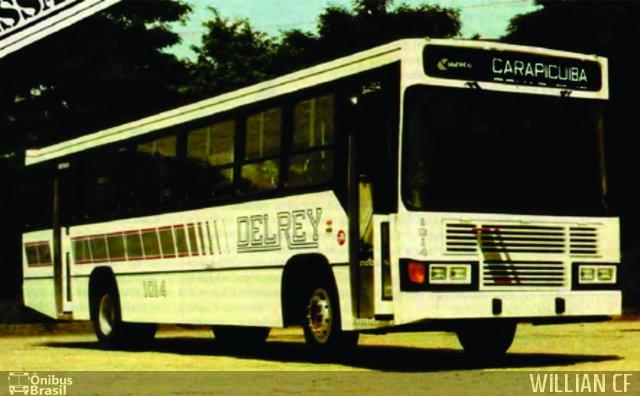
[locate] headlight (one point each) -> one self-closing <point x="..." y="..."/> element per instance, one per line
<point x="459" y="274"/>
<point x="587" y="274"/>
<point x="593" y="274"/>
<point x="437" y="273"/>
<point x="450" y="274"/>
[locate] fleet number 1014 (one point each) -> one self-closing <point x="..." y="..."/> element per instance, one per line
<point x="154" y="289"/>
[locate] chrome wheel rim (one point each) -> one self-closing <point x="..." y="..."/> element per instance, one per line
<point x="106" y="315"/>
<point x="319" y="315"/>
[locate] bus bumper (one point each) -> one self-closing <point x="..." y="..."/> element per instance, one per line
<point x="528" y="306"/>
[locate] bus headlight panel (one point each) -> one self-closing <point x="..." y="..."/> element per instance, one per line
<point x="437" y="274"/>
<point x="455" y="274"/>
<point x="587" y="274"/>
<point x="597" y="274"/>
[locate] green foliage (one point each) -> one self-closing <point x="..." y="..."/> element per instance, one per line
<point x="342" y="32"/>
<point x="371" y="7"/>
<point x="111" y="68"/>
<point x="232" y="54"/>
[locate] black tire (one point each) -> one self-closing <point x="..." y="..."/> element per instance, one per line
<point x="240" y="337"/>
<point x="110" y="330"/>
<point x="106" y="317"/>
<point x="322" y="323"/>
<point x="487" y="339"/>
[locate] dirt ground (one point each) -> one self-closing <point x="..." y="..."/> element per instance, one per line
<point x="386" y="360"/>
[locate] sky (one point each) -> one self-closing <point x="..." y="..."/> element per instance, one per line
<point x="488" y="18"/>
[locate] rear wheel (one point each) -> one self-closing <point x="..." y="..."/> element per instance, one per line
<point x="322" y="326"/>
<point x="487" y="339"/>
<point x="107" y="321"/>
<point x="108" y="325"/>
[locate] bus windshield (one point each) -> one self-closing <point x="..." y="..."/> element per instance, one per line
<point x="494" y="152"/>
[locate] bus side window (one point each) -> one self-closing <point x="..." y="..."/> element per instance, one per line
<point x="105" y="176"/>
<point x="161" y="184"/>
<point x="210" y="156"/>
<point x="312" y="161"/>
<point x="262" y="148"/>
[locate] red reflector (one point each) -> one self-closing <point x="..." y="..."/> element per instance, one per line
<point x="416" y="272"/>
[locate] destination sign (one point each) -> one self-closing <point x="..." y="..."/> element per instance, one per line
<point x="511" y="67"/>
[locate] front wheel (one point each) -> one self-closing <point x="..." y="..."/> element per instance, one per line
<point x="322" y="326"/>
<point x="487" y="339"/>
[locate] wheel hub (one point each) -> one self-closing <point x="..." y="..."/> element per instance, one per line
<point x="106" y="315"/>
<point x="320" y="315"/>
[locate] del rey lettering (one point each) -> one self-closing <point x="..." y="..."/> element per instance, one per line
<point x="296" y="229"/>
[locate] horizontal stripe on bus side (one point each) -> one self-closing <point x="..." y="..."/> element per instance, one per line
<point x="178" y="271"/>
<point x="38" y="277"/>
<point x="39" y="265"/>
<point x="36" y="243"/>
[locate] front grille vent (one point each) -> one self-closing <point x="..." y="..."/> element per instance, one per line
<point x="583" y="241"/>
<point x="523" y="273"/>
<point x="498" y="238"/>
<point x="509" y="238"/>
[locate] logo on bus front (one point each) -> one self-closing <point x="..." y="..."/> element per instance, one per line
<point x="446" y="64"/>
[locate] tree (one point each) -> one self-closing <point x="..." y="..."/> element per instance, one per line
<point x="371" y="23"/>
<point x="371" y="7"/>
<point x="232" y="54"/>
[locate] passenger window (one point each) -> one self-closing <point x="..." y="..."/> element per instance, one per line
<point x="313" y="122"/>
<point x="212" y="144"/>
<point x="313" y="137"/>
<point x="210" y="156"/>
<point x="115" y="244"/>
<point x="263" y="134"/>
<point x="164" y="147"/>
<point x="263" y="139"/>
<point x="161" y="173"/>
<point x="261" y="176"/>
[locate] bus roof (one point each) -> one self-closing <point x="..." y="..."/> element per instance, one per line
<point x="319" y="74"/>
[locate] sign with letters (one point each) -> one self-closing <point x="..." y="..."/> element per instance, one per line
<point x="297" y="229"/>
<point x="512" y="67"/>
<point x="23" y="22"/>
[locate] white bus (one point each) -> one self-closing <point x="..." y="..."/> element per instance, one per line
<point x="420" y="185"/>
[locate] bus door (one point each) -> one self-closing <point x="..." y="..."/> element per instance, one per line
<point x="371" y="192"/>
<point x="61" y="242"/>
